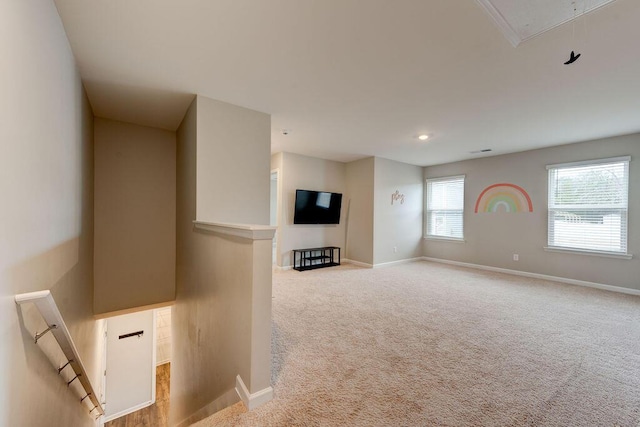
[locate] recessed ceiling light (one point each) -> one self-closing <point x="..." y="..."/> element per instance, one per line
<point x="423" y="137"/>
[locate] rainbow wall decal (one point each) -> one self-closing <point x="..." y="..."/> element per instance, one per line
<point x="504" y="198"/>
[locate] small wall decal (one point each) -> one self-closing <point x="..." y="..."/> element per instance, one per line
<point x="572" y="58"/>
<point x="503" y="198"/>
<point x="397" y="196"/>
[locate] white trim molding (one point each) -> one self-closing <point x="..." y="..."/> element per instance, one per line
<point x="587" y="252"/>
<point x="618" y="289"/>
<point x="401" y="261"/>
<point x="46" y="305"/>
<point x="252" y="400"/>
<point x="356" y="263"/>
<point x="129" y="410"/>
<point x="591" y="162"/>
<point x="507" y="31"/>
<point x="229" y="398"/>
<point x="444" y="239"/>
<point x="246" y="231"/>
<point x="382" y="264"/>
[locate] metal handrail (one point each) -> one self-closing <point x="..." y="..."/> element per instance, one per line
<point x="45" y="303"/>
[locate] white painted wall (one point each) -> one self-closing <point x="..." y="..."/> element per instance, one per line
<point x="46" y="236"/>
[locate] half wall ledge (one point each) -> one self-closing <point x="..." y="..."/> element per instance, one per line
<point x="246" y="231"/>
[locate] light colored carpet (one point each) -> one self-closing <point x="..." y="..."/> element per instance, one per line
<point x="424" y="344"/>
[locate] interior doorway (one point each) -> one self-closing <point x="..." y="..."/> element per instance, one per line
<point x="273" y="214"/>
<point x="138" y="356"/>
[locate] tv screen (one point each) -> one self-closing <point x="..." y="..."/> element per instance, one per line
<point x="317" y="207"/>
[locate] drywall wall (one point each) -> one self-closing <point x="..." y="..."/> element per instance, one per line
<point x="273" y="204"/>
<point x="46" y="240"/>
<point x="231" y="139"/>
<point x="308" y="173"/>
<point x="135" y="188"/>
<point x="491" y="239"/>
<point x="398" y="211"/>
<point x="370" y="226"/>
<point x="276" y="165"/>
<point x="359" y="210"/>
<point x="221" y="322"/>
<point x="182" y="351"/>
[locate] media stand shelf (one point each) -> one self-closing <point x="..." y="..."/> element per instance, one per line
<point x="308" y="259"/>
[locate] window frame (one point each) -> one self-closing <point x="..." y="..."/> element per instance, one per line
<point x="623" y="209"/>
<point x="426" y="223"/>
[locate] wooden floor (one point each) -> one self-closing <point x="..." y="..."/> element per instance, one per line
<point x="156" y="415"/>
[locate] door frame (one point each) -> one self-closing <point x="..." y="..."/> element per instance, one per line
<point x="278" y="208"/>
<point x="105" y="419"/>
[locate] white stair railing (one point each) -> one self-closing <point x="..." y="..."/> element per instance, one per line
<point x="45" y="303"/>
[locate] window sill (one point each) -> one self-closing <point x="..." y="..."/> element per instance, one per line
<point x="587" y="252"/>
<point x="445" y="239"/>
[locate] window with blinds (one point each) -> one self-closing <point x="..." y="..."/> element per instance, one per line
<point x="588" y="205"/>
<point x="445" y="207"/>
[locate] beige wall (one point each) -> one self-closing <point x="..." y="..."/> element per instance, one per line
<point x="370" y="227"/>
<point x="397" y="225"/>
<point x="308" y="173"/>
<point x="221" y="320"/>
<point x="135" y="219"/>
<point x="492" y="239"/>
<point x="46" y="241"/>
<point x="359" y="210"/>
<point x="232" y="145"/>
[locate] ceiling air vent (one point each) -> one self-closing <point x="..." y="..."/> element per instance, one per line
<point x="521" y="20"/>
<point x="484" y="150"/>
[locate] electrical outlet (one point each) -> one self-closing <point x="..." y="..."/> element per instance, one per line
<point x="395" y="249"/>
<point x="516" y="257"/>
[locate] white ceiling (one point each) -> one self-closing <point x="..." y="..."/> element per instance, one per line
<point x="521" y="20"/>
<point x="357" y="78"/>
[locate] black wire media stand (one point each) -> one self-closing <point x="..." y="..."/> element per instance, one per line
<point x="309" y="259"/>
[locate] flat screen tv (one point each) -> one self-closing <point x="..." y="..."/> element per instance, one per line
<point x="317" y="207"/>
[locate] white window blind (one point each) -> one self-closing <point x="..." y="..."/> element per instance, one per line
<point x="445" y="207"/>
<point x="588" y="204"/>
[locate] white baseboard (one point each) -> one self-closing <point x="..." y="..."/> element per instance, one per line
<point x="401" y="261"/>
<point x="227" y="399"/>
<point x="253" y="400"/>
<point x="128" y="411"/>
<point x="283" y="268"/>
<point x="382" y="264"/>
<point x="357" y="263"/>
<point x="602" y="286"/>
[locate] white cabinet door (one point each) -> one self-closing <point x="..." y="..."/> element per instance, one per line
<point x="131" y="367"/>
